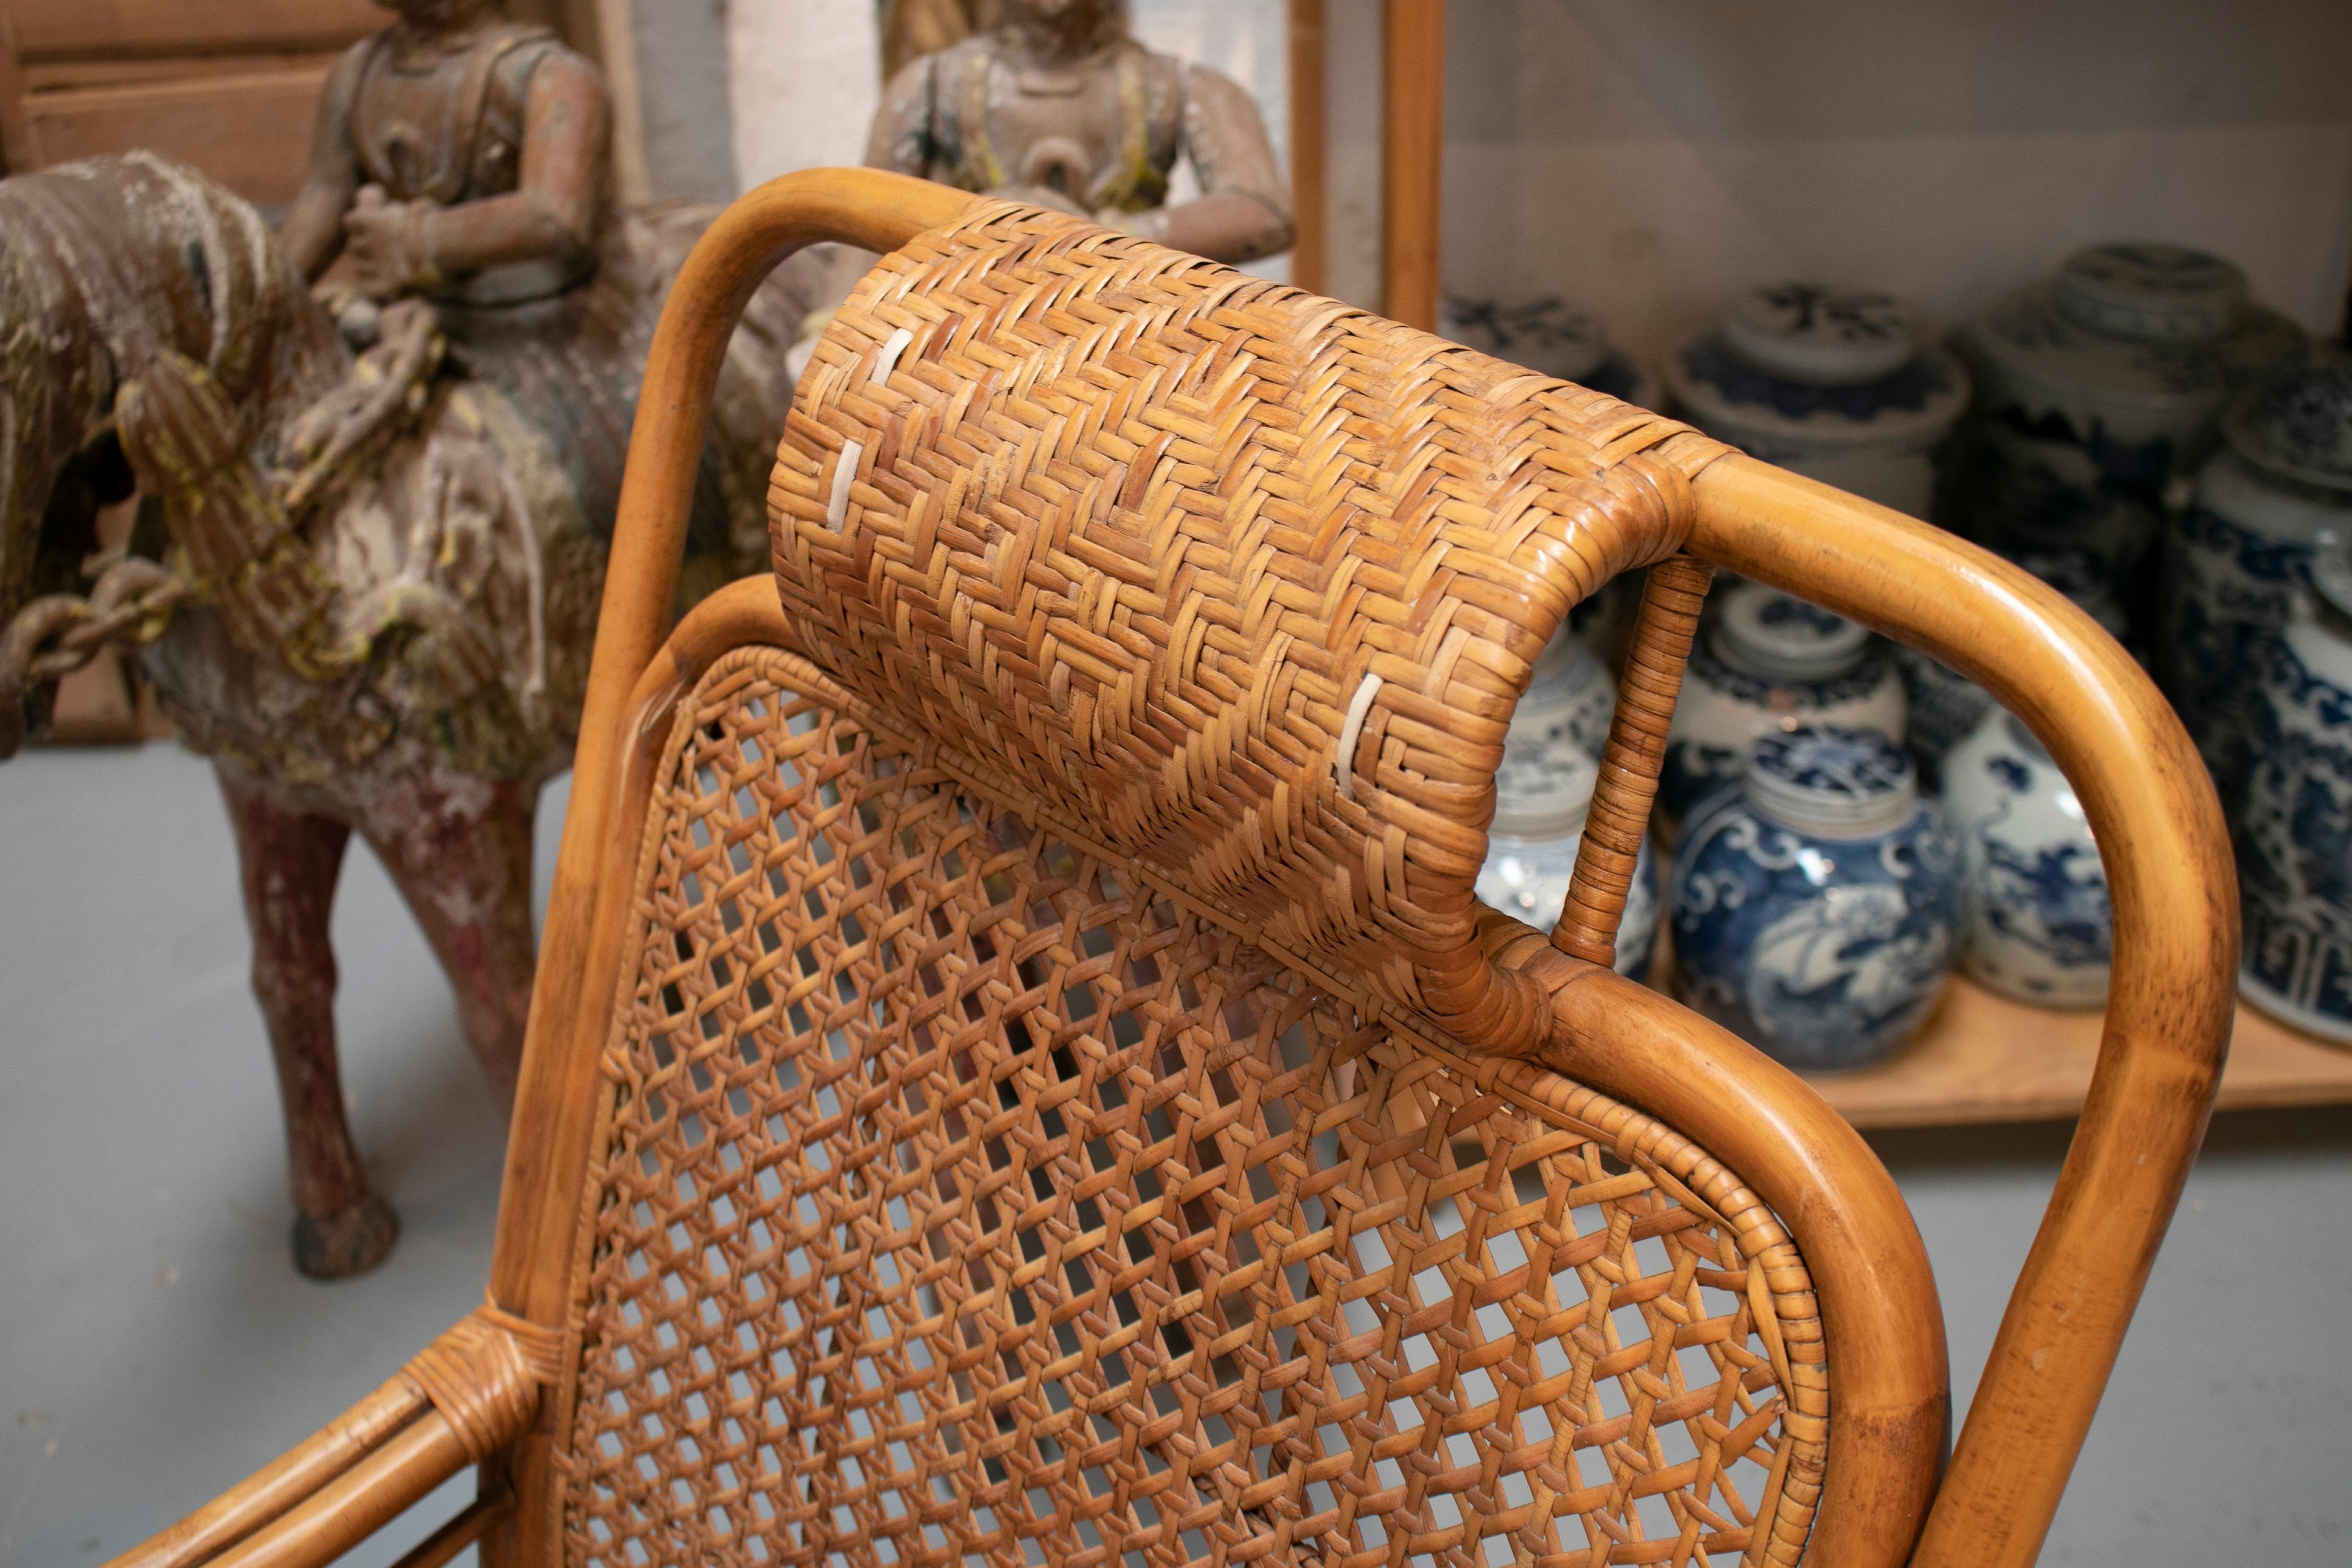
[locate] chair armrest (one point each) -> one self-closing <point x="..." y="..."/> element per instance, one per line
<point x="457" y="1402"/>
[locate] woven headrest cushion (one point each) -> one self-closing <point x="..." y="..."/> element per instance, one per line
<point x="1131" y="533"/>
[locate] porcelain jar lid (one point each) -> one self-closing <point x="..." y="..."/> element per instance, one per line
<point x="2152" y="292"/>
<point x="1765" y="632"/>
<point x="2296" y="419"/>
<point x="1812" y="363"/>
<point x="1542" y="793"/>
<point x="1549" y="335"/>
<point x="1832" y="781"/>
<point x="1565" y="673"/>
<point x="1820" y="334"/>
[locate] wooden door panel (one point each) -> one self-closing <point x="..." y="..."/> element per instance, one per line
<point x="250" y="131"/>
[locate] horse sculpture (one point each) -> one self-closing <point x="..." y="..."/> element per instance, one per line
<point x="365" y="584"/>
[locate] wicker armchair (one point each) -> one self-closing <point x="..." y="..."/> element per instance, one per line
<point x="1018" y="1074"/>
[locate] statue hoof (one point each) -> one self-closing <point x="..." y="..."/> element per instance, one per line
<point x="339" y="1245"/>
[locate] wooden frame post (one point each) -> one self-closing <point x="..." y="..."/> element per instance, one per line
<point x="1308" y="254"/>
<point x="1412" y="152"/>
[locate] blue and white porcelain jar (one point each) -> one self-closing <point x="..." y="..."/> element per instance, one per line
<point x="1768" y="661"/>
<point x="2034" y="916"/>
<point x="1543" y="791"/>
<point x="1814" y="909"/>
<point x="1553" y="337"/>
<point x="2294" y="830"/>
<point x="2098" y="389"/>
<point x="2238" y="559"/>
<point x="1832" y="383"/>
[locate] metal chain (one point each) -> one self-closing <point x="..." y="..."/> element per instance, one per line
<point x="58" y="633"/>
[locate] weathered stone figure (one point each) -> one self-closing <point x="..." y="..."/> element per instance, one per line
<point x="1057" y="105"/>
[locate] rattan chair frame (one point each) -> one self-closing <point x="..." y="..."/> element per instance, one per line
<point x="496" y="1390"/>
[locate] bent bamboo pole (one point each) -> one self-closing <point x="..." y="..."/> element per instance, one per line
<point x="329" y="1453"/>
<point x="857" y="206"/>
<point x="531" y="1267"/>
<point x="2167" y="853"/>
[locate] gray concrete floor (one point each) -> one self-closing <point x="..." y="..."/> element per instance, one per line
<point x="155" y="1343"/>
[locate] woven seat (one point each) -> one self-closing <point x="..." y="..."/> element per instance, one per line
<point x="1019" y="1076"/>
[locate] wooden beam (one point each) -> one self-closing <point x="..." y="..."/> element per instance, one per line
<point x="1413" y="148"/>
<point x="16" y="154"/>
<point x="608" y="34"/>
<point x="1308" y="254"/>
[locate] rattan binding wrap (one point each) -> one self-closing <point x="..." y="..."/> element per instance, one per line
<point x="1153" y="538"/>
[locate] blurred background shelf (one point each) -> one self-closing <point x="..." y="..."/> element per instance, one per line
<point x="1982" y="1059"/>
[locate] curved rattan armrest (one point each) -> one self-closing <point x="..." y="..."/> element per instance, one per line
<point x="462" y="1398"/>
<point x="2166" y="854"/>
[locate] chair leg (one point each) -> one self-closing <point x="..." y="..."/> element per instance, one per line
<point x="289" y="862"/>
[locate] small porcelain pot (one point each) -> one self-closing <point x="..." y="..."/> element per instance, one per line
<point x="1946" y="707"/>
<point x="2098" y="389"/>
<point x="1814" y="909"/>
<point x="1542" y="792"/>
<point x="2294" y="830"/>
<point x="1832" y="383"/>
<point x="1769" y="661"/>
<point x="2034" y="919"/>
<point x="2238" y="559"/>
<point x="1552" y="337"/>
<point x="1528" y="879"/>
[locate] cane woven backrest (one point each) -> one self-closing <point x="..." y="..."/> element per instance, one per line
<point x="968" y="1200"/>
<point x="1062" y="1110"/>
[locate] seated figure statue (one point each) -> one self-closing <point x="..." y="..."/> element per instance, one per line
<point x="1058" y="106"/>
<point x="459" y="156"/>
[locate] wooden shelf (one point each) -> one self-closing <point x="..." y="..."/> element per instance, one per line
<point x="1985" y="1059"/>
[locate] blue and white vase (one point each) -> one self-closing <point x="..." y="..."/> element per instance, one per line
<point x="1543" y="791"/>
<point x="1553" y="337"/>
<point x="2294" y="829"/>
<point x="1832" y="383"/>
<point x="1814" y="909"/>
<point x="1768" y="661"/>
<point x="2238" y="559"/>
<point x="2034" y="919"/>
<point x="1946" y="707"/>
<point x="2095" y="392"/>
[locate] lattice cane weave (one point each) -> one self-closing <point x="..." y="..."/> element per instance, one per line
<point x="966" y="1200"/>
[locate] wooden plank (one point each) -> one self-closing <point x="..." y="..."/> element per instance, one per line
<point x="1413" y="150"/>
<point x="47" y="28"/>
<point x="1983" y="1059"/>
<point x="1307" y="253"/>
<point x="81" y="75"/>
<point x="249" y="132"/>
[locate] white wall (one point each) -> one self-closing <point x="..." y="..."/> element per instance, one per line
<point x="1647" y="159"/>
<point x="803" y="79"/>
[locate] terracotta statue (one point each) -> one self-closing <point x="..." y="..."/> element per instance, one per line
<point x="366" y="586"/>
<point x="1056" y="105"/>
<point x="458" y="155"/>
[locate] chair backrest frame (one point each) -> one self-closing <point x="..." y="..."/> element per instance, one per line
<point x="2159" y="826"/>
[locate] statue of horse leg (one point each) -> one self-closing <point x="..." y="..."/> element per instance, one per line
<point x="289" y="863"/>
<point x="460" y="850"/>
